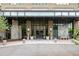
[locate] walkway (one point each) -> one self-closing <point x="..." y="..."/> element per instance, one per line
<point x="40" y="48"/>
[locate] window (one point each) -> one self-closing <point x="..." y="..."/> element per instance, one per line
<point x="77" y="13"/>
<point x="20" y="13"/>
<point x="64" y="13"/>
<point x="50" y="13"/>
<point x="13" y="13"/>
<point x="6" y="13"/>
<point x="1" y="13"/>
<point x="39" y="13"/>
<point x="71" y="13"/>
<point x="57" y="13"/>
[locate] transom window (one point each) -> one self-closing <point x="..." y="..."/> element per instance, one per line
<point x="6" y="13"/>
<point x="64" y="13"/>
<point x="20" y="13"/>
<point x="71" y="13"/>
<point x="57" y="13"/>
<point x="13" y="13"/>
<point x="77" y="13"/>
<point x="1" y="13"/>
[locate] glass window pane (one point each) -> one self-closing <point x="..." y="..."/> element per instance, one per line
<point x="39" y="13"/>
<point x="71" y="13"/>
<point x="1" y="13"/>
<point x="57" y="13"/>
<point x="64" y="13"/>
<point x="13" y="13"/>
<point x="77" y="13"/>
<point x="6" y="13"/>
<point x="20" y="13"/>
<point x="28" y="13"/>
<point x="51" y="13"/>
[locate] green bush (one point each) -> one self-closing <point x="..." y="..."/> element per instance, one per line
<point x="75" y="33"/>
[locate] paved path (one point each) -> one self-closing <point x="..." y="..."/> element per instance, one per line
<point x="40" y="50"/>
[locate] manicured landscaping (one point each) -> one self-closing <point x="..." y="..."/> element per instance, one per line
<point x="76" y="41"/>
<point x="75" y="35"/>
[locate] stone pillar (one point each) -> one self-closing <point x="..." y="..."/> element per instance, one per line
<point x="28" y="29"/>
<point x="50" y="29"/>
<point x="76" y="23"/>
<point x="20" y="32"/>
<point x="3" y="34"/>
<point x="14" y="29"/>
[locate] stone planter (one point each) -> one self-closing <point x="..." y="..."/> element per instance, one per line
<point x="4" y="42"/>
<point x="24" y="40"/>
<point x="55" y="39"/>
<point x="31" y="37"/>
<point x="47" y="37"/>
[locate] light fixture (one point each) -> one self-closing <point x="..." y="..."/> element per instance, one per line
<point x="28" y="29"/>
<point x="50" y="29"/>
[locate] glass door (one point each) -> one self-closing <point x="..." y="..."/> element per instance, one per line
<point x="55" y="31"/>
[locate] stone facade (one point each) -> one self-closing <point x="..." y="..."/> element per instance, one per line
<point x="38" y="6"/>
<point x="16" y="30"/>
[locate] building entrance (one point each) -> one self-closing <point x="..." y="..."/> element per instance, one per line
<point x="39" y="34"/>
<point x="39" y="28"/>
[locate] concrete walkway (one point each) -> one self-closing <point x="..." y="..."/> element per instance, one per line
<point x="40" y="48"/>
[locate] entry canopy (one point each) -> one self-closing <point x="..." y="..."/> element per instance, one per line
<point x="40" y="13"/>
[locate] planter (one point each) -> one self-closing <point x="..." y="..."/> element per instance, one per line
<point x="31" y="37"/>
<point x="4" y="42"/>
<point x="75" y="41"/>
<point x="24" y="40"/>
<point x="47" y="37"/>
<point x="55" y="39"/>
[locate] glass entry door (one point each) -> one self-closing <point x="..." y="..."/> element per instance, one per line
<point x="55" y="31"/>
<point x="39" y="28"/>
<point x="39" y="32"/>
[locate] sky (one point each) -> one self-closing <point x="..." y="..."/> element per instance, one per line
<point x="39" y="1"/>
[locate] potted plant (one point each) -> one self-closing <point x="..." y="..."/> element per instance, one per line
<point x="3" y="27"/>
<point x="24" y="39"/>
<point x="47" y="37"/>
<point x="75" y="35"/>
<point x="31" y="37"/>
<point x="4" y="41"/>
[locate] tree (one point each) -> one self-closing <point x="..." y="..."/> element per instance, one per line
<point x="3" y="25"/>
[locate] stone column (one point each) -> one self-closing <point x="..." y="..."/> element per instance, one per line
<point x="14" y="29"/>
<point x="3" y="34"/>
<point x="20" y="32"/>
<point x="50" y="29"/>
<point x="76" y="23"/>
<point x="28" y="29"/>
